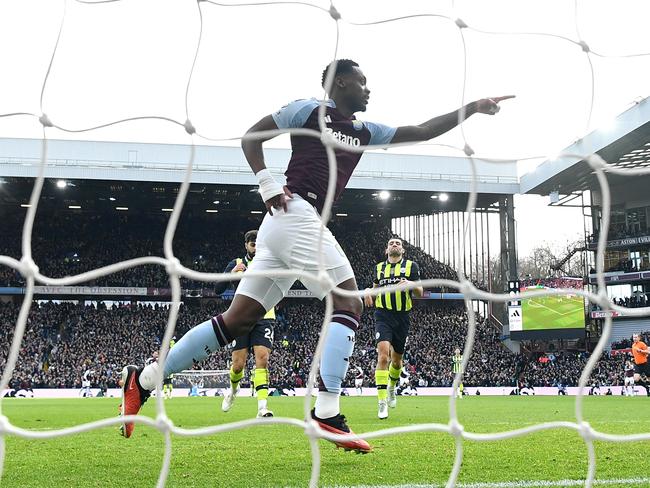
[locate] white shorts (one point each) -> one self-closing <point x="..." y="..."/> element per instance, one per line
<point x="358" y="383"/>
<point x="629" y="381"/>
<point x="289" y="241"/>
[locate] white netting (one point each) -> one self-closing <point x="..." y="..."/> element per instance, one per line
<point x="29" y="269"/>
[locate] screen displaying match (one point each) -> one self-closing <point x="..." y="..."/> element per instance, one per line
<point x="555" y="316"/>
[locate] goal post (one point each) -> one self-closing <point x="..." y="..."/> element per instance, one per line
<point x="202" y="378"/>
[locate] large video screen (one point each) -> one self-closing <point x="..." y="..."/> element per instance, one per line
<point x="555" y="316"/>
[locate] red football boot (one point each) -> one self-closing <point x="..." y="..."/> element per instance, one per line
<point x="133" y="397"/>
<point x="337" y="425"/>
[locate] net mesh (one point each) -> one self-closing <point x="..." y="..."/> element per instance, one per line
<point x="30" y="271"/>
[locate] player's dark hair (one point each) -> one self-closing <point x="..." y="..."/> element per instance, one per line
<point x="251" y="235"/>
<point x="343" y="67"/>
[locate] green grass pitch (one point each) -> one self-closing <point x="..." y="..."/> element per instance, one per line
<point x="280" y="455"/>
<point x="552" y="312"/>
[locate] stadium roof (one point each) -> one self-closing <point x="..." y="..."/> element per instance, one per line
<point x="625" y="144"/>
<point x="147" y="176"/>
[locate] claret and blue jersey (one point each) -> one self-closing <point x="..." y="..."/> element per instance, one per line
<point x="308" y="170"/>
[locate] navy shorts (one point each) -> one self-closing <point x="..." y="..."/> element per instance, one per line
<point x="392" y="327"/>
<point x="260" y="335"/>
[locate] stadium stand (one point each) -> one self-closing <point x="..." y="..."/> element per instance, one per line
<point x="61" y="338"/>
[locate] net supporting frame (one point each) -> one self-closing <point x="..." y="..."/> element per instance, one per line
<point x="29" y="270"/>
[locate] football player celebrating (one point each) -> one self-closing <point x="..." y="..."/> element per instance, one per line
<point x="291" y="236"/>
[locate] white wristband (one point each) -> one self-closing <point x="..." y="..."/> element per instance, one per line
<point x="268" y="186"/>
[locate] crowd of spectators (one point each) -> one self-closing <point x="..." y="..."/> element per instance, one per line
<point x="68" y="244"/>
<point x="62" y="340"/>
<point x="625" y="265"/>
<point x="635" y="301"/>
<point x="553" y="282"/>
<point x="627" y="342"/>
<point x="621" y="231"/>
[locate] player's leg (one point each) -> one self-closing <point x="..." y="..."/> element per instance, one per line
<point x="335" y="359"/>
<point x="398" y="344"/>
<point x="254" y="296"/>
<point x="262" y="379"/>
<point x="236" y="372"/>
<point x="205" y="338"/>
<point x="196" y="345"/>
<point x="302" y="253"/>
<point x="394" y="370"/>
<point x="381" y="372"/>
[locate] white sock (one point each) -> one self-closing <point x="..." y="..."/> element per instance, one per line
<point x="261" y="404"/>
<point x="327" y="404"/>
<point x="149" y="376"/>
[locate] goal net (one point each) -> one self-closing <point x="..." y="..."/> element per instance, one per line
<point x="468" y="73"/>
<point x="208" y="381"/>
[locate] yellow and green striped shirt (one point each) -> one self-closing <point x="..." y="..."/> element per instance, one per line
<point x="391" y="273"/>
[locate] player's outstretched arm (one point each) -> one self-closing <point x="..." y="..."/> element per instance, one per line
<point x="439" y="125"/>
<point x="272" y="193"/>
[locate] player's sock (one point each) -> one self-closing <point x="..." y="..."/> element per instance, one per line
<point x="235" y="378"/>
<point x="393" y="375"/>
<point x="261" y="386"/>
<point x="335" y="360"/>
<point x="196" y="345"/>
<point x="381" y="380"/>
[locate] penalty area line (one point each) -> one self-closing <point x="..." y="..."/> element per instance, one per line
<point x="520" y="484"/>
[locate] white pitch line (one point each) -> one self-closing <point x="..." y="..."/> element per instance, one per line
<point x="520" y="484"/>
<point x="554" y="311"/>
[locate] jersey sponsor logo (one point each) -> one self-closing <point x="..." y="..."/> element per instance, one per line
<point x="344" y="138"/>
<point x="389" y="281"/>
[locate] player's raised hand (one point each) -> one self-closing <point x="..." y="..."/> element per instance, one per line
<point x="490" y="106"/>
<point x="279" y="201"/>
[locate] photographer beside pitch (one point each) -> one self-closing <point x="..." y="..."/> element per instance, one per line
<point x="288" y="239"/>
